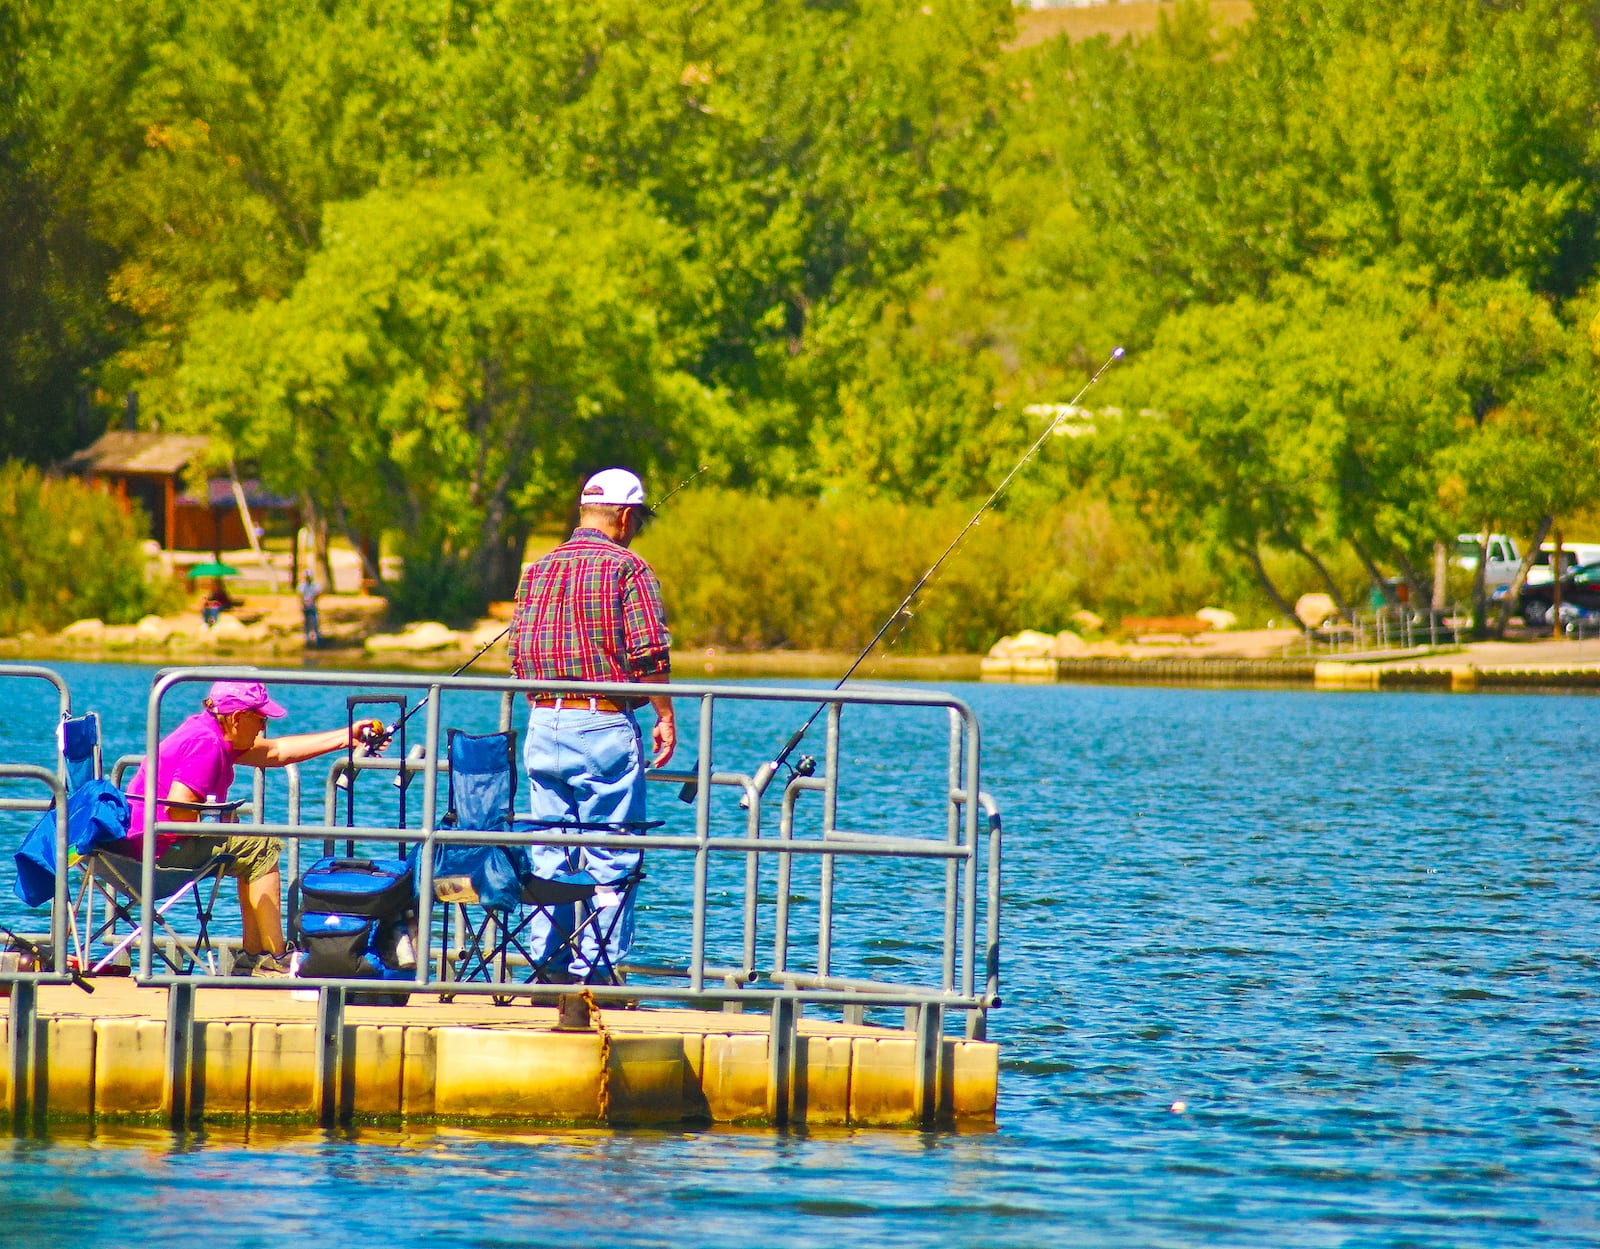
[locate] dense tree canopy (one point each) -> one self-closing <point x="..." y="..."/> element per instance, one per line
<point x="426" y="260"/>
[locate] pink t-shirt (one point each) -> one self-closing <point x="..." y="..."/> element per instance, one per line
<point x="195" y="753"/>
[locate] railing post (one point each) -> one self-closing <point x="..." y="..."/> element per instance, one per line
<point x="781" y="1053"/>
<point x="978" y="1020"/>
<point x="969" y="900"/>
<point x="330" y="1057"/>
<point x="24" y="1053"/>
<point x="930" y="1050"/>
<point x="830" y="819"/>
<point x="952" y="870"/>
<point x="180" y="1055"/>
<point x="780" y="927"/>
<point x="702" y="832"/>
<point x="430" y="824"/>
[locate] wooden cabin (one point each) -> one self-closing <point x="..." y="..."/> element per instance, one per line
<point x="149" y="469"/>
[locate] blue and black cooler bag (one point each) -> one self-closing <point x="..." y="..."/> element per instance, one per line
<point x="355" y="919"/>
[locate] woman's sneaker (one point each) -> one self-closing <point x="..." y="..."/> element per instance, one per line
<point x="264" y="965"/>
<point x="273" y="966"/>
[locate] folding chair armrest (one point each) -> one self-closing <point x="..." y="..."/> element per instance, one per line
<point x="222" y="811"/>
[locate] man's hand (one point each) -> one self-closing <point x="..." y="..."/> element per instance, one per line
<point x="665" y="734"/>
<point x="664" y="737"/>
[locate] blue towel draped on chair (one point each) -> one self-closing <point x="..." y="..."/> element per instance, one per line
<point x="97" y="813"/>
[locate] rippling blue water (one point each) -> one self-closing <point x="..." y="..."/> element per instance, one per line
<point x="1280" y="969"/>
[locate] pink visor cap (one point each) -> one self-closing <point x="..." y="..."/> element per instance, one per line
<point x="227" y="697"/>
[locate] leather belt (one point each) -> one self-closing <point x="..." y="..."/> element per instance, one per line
<point x="577" y="701"/>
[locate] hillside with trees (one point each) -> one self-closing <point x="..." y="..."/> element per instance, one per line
<point x="426" y="263"/>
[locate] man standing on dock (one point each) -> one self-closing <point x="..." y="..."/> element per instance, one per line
<point x="591" y="610"/>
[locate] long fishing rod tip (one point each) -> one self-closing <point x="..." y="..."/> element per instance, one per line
<point x="1117" y="353"/>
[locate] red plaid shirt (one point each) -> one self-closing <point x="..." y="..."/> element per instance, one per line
<point x="589" y="611"/>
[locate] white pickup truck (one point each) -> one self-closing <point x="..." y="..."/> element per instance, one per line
<point x="1573" y="555"/>
<point x="1500" y="569"/>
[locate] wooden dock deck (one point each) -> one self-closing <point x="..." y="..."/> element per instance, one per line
<point x="104" y="1056"/>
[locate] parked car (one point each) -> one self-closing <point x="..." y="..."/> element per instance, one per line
<point x="1500" y="569"/>
<point x="1579" y="588"/>
<point x="1573" y="554"/>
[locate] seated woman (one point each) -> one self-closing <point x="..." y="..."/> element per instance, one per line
<point x="195" y="763"/>
<point x="218" y="600"/>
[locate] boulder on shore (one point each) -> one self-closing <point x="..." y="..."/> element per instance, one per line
<point x="1087" y="621"/>
<point x="153" y="629"/>
<point x="490" y="631"/>
<point x="1029" y="644"/>
<point x="426" y="635"/>
<point x="1068" y="645"/>
<point x="1218" y="618"/>
<point x="1313" y="609"/>
<point x="85" y="630"/>
<point x="229" y="631"/>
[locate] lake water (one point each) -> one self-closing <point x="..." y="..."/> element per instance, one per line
<point x="1280" y="968"/>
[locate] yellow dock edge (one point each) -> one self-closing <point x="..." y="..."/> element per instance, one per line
<point x="1460" y="678"/>
<point x="255" y="1059"/>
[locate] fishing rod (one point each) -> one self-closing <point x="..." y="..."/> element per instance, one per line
<point x="808" y="765"/>
<point x="377" y="736"/>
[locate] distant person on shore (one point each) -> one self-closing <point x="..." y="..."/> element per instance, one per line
<point x="309" y="593"/>
<point x="591" y="610"/>
<point x="195" y="764"/>
<point x="218" y="600"/>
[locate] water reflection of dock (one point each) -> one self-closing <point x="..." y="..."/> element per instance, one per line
<point x="262" y="1055"/>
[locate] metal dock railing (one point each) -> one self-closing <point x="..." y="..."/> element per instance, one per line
<point x="953" y="828"/>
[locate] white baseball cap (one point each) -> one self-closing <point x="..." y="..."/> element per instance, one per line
<point x="613" y="487"/>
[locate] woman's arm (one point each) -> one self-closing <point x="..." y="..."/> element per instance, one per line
<point x="277" y="752"/>
<point x="179" y="792"/>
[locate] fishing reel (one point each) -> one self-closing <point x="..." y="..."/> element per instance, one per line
<point x="374" y="734"/>
<point x="807" y="766"/>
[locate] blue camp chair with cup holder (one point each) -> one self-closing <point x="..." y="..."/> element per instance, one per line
<point x="509" y="887"/>
<point x="107" y="872"/>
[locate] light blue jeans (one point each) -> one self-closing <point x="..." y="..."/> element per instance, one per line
<point x="585" y="767"/>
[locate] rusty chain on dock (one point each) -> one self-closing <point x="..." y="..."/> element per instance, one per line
<point x="605" y="1051"/>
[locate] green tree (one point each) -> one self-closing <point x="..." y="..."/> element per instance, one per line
<point x="453" y="359"/>
<point x="67" y="551"/>
<point x="54" y="322"/>
<point x="1309" y="419"/>
<point x="1530" y="453"/>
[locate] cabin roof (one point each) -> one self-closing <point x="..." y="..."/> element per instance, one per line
<point x="128" y="451"/>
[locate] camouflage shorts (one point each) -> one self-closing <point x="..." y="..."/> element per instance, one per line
<point x="253" y="857"/>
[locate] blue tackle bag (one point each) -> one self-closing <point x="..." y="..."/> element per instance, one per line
<point x="355" y="919"/>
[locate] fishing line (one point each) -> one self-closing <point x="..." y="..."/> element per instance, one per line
<point x="807" y="765"/>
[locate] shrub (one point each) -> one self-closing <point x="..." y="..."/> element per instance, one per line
<point x="67" y="551"/>
<point x="746" y="572"/>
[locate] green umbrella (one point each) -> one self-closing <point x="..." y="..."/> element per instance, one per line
<point x="213" y="570"/>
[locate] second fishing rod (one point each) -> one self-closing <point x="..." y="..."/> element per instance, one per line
<point x="807" y="765"/>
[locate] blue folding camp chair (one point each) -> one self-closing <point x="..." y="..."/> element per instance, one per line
<point x="113" y="875"/>
<point x="537" y="907"/>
